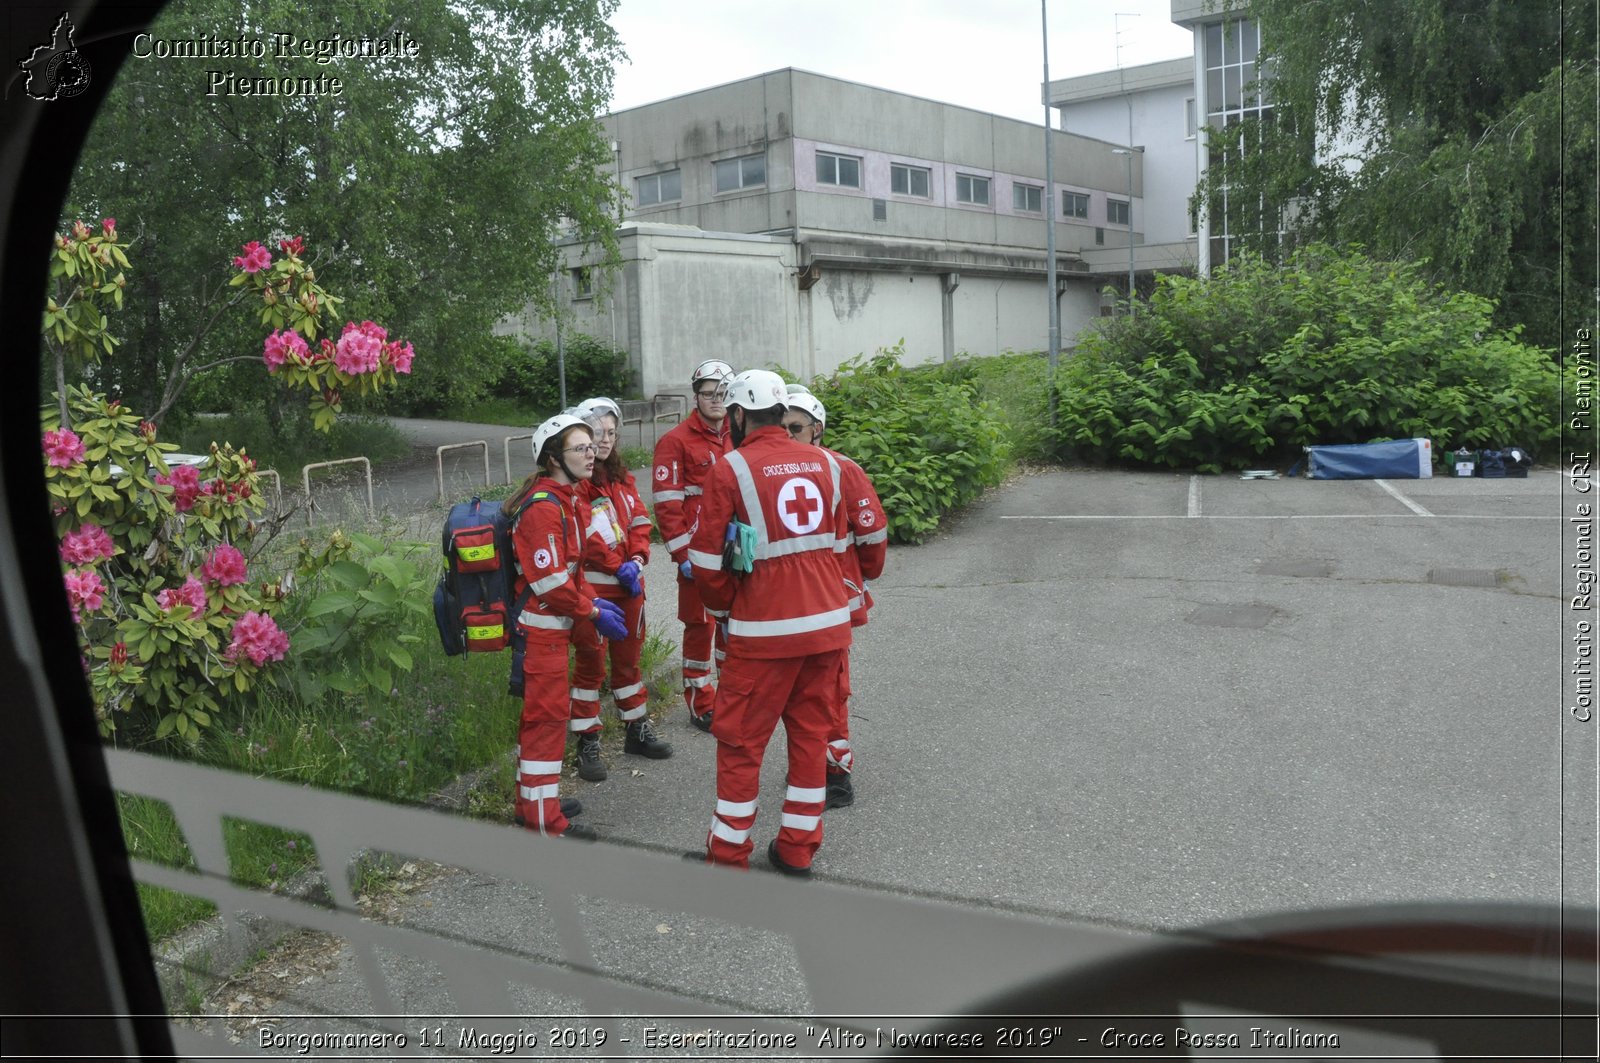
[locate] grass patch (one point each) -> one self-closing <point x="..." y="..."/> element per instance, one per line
<point x="1018" y="387"/>
<point x="350" y="437"/>
<point x="498" y="411"/>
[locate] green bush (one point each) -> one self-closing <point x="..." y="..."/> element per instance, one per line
<point x="923" y="435"/>
<point x="593" y="367"/>
<point x="1332" y="347"/>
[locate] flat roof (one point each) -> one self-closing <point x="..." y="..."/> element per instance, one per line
<point x="1169" y="73"/>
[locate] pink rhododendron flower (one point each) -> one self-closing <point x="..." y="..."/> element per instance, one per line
<point x="225" y="567"/>
<point x="257" y="636"/>
<point x="87" y="545"/>
<point x="84" y="590"/>
<point x="192" y="594"/>
<point x="255" y="258"/>
<point x="185" y="481"/>
<point x="110" y="226"/>
<point x="399" y="355"/>
<point x="360" y="348"/>
<point x="63" y="448"/>
<point x="293" y="245"/>
<point x="80" y="230"/>
<point x="282" y="346"/>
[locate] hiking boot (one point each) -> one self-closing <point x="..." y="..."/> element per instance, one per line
<point x="579" y="832"/>
<point x="571" y="806"/>
<point x="840" y="790"/>
<point x="590" y="766"/>
<point x="782" y="868"/>
<point x="643" y="741"/>
<point x="703" y="721"/>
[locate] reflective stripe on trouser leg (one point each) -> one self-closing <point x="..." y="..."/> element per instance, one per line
<point x="744" y="725"/>
<point x="807" y="718"/>
<point x="584" y="709"/>
<point x="699" y="677"/>
<point x="627" y="686"/>
<point x="588" y="672"/>
<point x="839" y="756"/>
<point x="542" y="737"/>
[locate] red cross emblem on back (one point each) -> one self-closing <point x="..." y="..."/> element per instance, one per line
<point x="800" y="506"/>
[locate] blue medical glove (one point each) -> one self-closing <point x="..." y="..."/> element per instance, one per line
<point x="628" y="576"/>
<point x="610" y="622"/>
<point x="686" y="570"/>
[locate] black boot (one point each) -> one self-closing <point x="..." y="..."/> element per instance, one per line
<point x="840" y="790"/>
<point x="643" y="741"/>
<point x="782" y="868"/>
<point x="590" y="766"/>
<point x="702" y="721"/>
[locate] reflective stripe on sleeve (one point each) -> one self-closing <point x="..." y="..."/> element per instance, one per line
<point x="793" y="626"/>
<point x="879" y="536"/>
<point x="545" y="621"/>
<point x="705" y="560"/>
<point x="801" y="822"/>
<point x="678" y="542"/>
<point x="689" y="665"/>
<point x="600" y="577"/>
<point x="668" y="496"/>
<point x="549" y="583"/>
<point x="691" y="489"/>
<point x="641" y="521"/>
<point x="805" y="794"/>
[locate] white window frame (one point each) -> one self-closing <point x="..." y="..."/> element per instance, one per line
<point x="653" y="180"/>
<point x="1080" y="198"/>
<point x="835" y="162"/>
<point x="910" y="171"/>
<point x="742" y="163"/>
<point x="1024" y="193"/>
<point x="973" y="182"/>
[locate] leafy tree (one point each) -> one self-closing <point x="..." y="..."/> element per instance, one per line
<point x="433" y="185"/>
<point x="1453" y="132"/>
<point x="1330" y="347"/>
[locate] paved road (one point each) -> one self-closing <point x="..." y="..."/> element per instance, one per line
<point x="1153" y="701"/>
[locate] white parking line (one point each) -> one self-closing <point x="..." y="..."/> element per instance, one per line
<point x="1194" y="496"/>
<point x="1412" y="506"/>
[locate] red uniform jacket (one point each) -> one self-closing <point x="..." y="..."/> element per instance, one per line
<point x="549" y="542"/>
<point x="793" y="603"/>
<point x="618" y="530"/>
<point x="869" y="536"/>
<point x="684" y="460"/>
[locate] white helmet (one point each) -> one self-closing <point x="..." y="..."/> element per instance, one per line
<point x="591" y="410"/>
<point x="807" y="403"/>
<point x="757" y="389"/>
<point x="552" y="428"/>
<point x="711" y="369"/>
<point x="797" y="389"/>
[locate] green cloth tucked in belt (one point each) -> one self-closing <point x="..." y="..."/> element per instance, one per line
<point x="739" y="547"/>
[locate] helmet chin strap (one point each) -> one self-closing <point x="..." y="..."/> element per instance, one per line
<point x="572" y="477"/>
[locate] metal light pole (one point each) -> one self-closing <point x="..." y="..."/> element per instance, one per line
<point x="1128" y="153"/>
<point x="1050" y="220"/>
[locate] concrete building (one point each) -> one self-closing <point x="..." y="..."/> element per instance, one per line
<point x="799" y="219"/>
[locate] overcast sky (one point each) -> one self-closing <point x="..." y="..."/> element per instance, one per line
<point x="985" y="54"/>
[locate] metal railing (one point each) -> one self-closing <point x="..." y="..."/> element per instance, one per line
<point x="305" y="475"/>
<point x="277" y="489"/>
<point x="439" y="461"/>
<point x="654" y="413"/>
<point x="507" y="445"/>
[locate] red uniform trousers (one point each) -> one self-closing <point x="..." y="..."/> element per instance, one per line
<point x="840" y="759"/>
<point x="589" y="671"/>
<point x="700" y="636"/>
<point x="542" y="737"/>
<point x="755" y="695"/>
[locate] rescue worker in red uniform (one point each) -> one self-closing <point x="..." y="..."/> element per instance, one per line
<point x="557" y="610"/>
<point x="788" y="621"/>
<point x="615" y="550"/>
<point x="684" y="459"/>
<point x="861" y="562"/>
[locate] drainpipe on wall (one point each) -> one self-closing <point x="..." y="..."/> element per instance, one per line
<point x="951" y="281"/>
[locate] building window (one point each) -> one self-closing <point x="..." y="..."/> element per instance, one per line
<point x="970" y="189"/>
<point x="1099" y="235"/>
<point x="664" y="187"/>
<point x="1027" y="198"/>
<point x="909" y="180"/>
<point x="1189" y="120"/>
<point x="1116" y="211"/>
<point x="747" y="171"/>
<point x="582" y="282"/>
<point x="1236" y="89"/>
<point x="1075" y="204"/>
<point x="841" y="170"/>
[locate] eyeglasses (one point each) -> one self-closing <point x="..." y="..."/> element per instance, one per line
<point x="717" y="394"/>
<point x="587" y="448"/>
<point x="795" y="429"/>
<point x="606" y="434"/>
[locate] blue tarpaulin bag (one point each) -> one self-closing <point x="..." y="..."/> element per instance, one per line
<point x="1401" y="459"/>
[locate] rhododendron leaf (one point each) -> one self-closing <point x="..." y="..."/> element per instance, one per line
<point x="348" y="574"/>
<point x="332" y="602"/>
<point x="168" y="722"/>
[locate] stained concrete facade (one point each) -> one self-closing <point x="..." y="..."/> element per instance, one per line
<point x="801" y="220"/>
